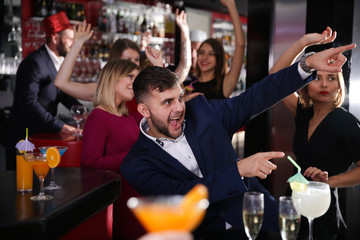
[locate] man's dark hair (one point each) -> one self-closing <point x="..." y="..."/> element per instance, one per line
<point x="152" y="78"/>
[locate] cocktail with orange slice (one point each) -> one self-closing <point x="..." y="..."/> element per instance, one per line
<point x="53" y="155"/>
<point x="41" y="169"/>
<point x="161" y="213"/>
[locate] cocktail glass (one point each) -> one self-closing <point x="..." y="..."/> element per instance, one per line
<point x="289" y="218"/>
<point x="78" y="113"/>
<point x="62" y="150"/>
<point x="253" y="211"/>
<point x="41" y="169"/>
<point x="163" y="213"/>
<point x="314" y="202"/>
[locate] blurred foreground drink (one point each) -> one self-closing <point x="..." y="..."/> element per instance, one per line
<point x="24" y="174"/>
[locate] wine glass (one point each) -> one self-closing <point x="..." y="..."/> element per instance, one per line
<point x="41" y="169"/>
<point x="62" y="150"/>
<point x="162" y="213"/>
<point x="289" y="218"/>
<point x="314" y="202"/>
<point x="253" y="211"/>
<point x="78" y="113"/>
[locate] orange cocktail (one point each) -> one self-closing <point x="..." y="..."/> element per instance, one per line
<point x="163" y="213"/>
<point x="41" y="169"/>
<point x="24" y="174"/>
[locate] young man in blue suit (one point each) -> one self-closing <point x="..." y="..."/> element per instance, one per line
<point x="178" y="149"/>
<point x="36" y="98"/>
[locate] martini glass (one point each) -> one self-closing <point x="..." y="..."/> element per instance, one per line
<point x="162" y="213"/>
<point x="314" y="202"/>
<point x="62" y="150"/>
<point x="41" y="169"/>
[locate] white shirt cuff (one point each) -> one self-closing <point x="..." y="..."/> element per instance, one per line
<point x="302" y="73"/>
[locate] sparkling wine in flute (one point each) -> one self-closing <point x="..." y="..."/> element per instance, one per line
<point x="289" y="227"/>
<point x="252" y="223"/>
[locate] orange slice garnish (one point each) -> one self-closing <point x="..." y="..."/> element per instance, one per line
<point x="53" y="157"/>
<point x="192" y="207"/>
<point x="197" y="193"/>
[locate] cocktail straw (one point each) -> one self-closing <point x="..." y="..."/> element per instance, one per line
<point x="295" y="164"/>
<point x="298" y="177"/>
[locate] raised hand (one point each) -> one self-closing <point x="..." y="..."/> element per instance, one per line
<point x="330" y="60"/>
<point x="181" y="20"/>
<point x="258" y="165"/>
<point x="154" y="56"/>
<point x="83" y="32"/>
<point x="327" y="36"/>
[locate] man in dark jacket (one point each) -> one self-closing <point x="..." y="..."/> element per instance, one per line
<point x="36" y="98"/>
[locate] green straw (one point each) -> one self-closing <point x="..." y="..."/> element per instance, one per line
<point x="295" y="164"/>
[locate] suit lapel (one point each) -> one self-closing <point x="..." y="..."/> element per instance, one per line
<point x="50" y="65"/>
<point x="192" y="140"/>
<point x="158" y="154"/>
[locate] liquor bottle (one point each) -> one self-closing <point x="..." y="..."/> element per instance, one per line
<point x="44" y="11"/>
<point x="144" y="26"/>
<point x="53" y="8"/>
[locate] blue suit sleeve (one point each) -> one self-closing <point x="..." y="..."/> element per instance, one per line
<point x="235" y="112"/>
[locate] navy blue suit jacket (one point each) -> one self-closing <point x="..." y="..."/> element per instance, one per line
<point x="36" y="98"/>
<point x="209" y="128"/>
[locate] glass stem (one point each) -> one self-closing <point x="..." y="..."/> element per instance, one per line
<point x="78" y="124"/>
<point x="52" y="181"/>
<point x="41" y="186"/>
<point x="310" y="228"/>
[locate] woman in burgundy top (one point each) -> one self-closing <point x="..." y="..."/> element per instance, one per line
<point x="109" y="133"/>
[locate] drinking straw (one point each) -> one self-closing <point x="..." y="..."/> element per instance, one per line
<point x="295" y="164"/>
<point x="298" y="177"/>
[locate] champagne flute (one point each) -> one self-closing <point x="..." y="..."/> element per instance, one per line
<point x="78" y="113"/>
<point x="253" y="211"/>
<point x="62" y="150"/>
<point x="289" y="218"/>
<point x="314" y="202"/>
<point x="41" y="169"/>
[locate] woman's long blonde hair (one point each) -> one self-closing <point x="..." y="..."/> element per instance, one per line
<point x="306" y="101"/>
<point x="104" y="96"/>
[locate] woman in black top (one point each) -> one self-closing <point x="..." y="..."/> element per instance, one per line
<point x="327" y="137"/>
<point x="212" y="77"/>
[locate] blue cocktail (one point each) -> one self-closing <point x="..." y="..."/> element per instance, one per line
<point x="62" y="150"/>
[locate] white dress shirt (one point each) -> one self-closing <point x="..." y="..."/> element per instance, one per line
<point x="57" y="60"/>
<point x="179" y="148"/>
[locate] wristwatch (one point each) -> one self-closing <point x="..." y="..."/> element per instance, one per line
<point x="303" y="63"/>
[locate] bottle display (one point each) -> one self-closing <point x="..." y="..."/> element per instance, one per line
<point x="110" y="20"/>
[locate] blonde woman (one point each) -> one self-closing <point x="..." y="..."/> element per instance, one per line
<point x="327" y="137"/>
<point x="109" y="133"/>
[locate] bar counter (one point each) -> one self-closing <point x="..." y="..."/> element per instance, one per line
<point x="84" y="193"/>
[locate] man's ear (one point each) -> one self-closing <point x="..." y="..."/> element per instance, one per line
<point x="143" y="110"/>
<point x="54" y="38"/>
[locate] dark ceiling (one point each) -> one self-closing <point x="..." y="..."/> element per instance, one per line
<point x="215" y="5"/>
